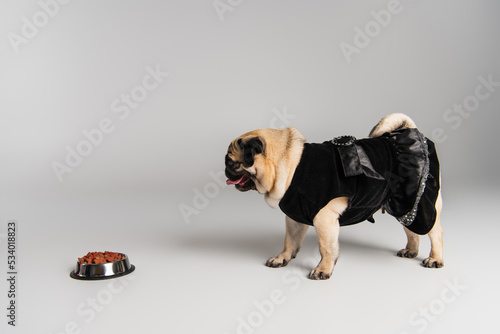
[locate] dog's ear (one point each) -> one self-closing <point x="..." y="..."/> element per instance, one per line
<point x="250" y="148"/>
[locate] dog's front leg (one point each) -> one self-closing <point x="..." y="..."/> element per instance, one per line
<point x="295" y="233"/>
<point x="327" y="227"/>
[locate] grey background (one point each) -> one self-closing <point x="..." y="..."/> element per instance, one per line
<point x="227" y="77"/>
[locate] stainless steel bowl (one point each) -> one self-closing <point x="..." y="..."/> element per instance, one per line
<point x="118" y="268"/>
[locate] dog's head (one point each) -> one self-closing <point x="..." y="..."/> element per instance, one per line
<point x="263" y="159"/>
<point x="244" y="161"/>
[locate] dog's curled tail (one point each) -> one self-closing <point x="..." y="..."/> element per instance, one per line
<point x="390" y="123"/>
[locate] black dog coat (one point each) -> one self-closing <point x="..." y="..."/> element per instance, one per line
<point x="399" y="170"/>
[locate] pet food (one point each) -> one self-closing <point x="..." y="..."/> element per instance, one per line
<point x="100" y="257"/>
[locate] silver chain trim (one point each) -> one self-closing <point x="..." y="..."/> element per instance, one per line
<point x="409" y="217"/>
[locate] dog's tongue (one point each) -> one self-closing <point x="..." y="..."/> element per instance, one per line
<point x="240" y="181"/>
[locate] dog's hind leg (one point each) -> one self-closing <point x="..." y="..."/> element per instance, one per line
<point x="435" y="259"/>
<point x="411" y="249"/>
<point x="295" y="233"/>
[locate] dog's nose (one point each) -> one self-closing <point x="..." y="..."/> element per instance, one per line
<point x="231" y="172"/>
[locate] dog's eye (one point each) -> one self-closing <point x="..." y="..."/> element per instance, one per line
<point x="229" y="162"/>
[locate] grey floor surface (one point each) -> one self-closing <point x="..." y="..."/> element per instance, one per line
<point x="208" y="275"/>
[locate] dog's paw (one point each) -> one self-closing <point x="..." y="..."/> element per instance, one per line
<point x="318" y="274"/>
<point x="431" y="262"/>
<point x="277" y="262"/>
<point x="407" y="253"/>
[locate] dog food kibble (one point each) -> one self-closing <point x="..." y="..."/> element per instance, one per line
<point x="100" y="257"/>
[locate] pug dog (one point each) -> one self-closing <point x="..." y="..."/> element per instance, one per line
<point x="341" y="182"/>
